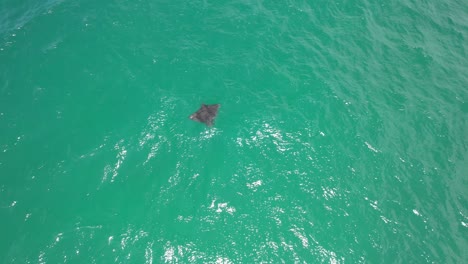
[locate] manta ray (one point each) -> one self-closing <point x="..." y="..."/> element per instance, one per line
<point x="206" y="114"/>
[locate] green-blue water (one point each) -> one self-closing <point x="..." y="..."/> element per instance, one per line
<point x="341" y="137"/>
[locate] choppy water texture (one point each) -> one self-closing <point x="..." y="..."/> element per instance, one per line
<point x="341" y="137"/>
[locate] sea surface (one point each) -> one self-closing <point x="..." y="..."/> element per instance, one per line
<point x="342" y="135"/>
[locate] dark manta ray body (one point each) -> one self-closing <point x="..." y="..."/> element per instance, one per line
<point x="206" y="114"/>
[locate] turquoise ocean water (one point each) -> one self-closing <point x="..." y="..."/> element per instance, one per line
<point x="341" y="137"/>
